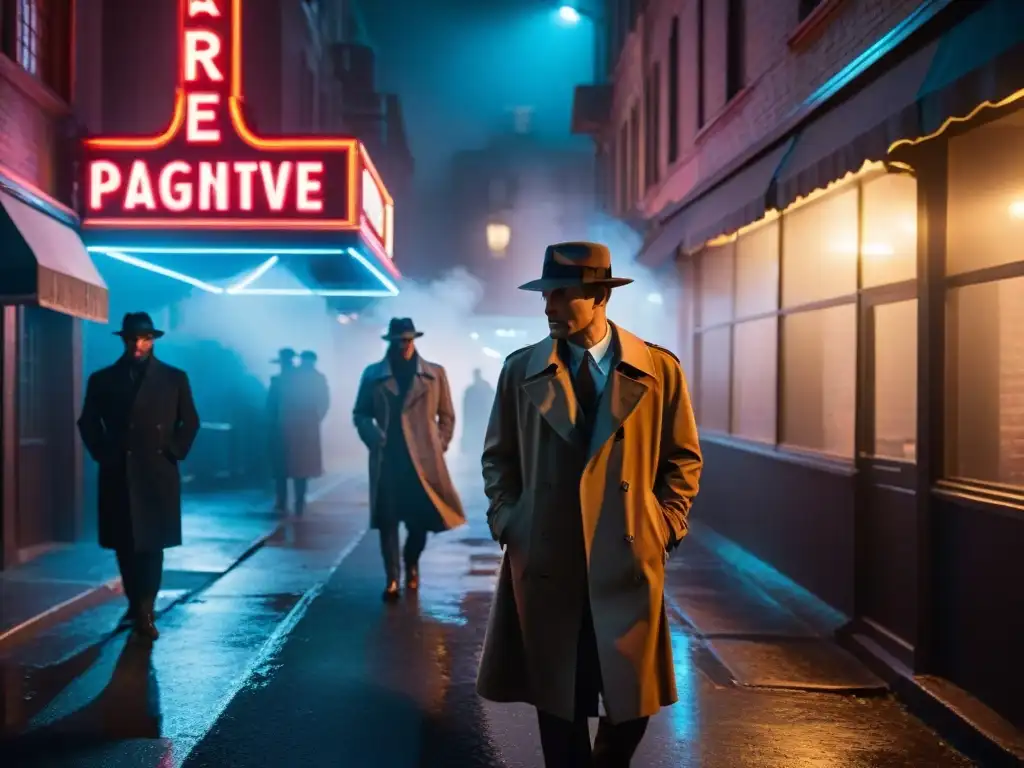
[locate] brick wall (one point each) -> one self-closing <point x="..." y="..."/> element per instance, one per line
<point x="779" y="75"/>
<point x="30" y="127"/>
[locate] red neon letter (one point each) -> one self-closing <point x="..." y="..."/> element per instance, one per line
<point x="197" y="112"/>
<point x="140" y="188"/>
<point x="275" y="186"/>
<point x="213" y="178"/>
<point x="204" y="56"/>
<point x="104" y="178"/>
<point x="209" y="7"/>
<point x="308" y="187"/>
<point x="245" y="169"/>
<point x="175" y="196"/>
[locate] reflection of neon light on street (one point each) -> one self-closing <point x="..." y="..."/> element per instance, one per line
<point x="241" y="288"/>
<point x="253" y="276"/>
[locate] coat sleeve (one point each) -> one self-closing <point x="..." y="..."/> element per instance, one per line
<point x="362" y="415"/>
<point x="445" y="411"/>
<point x="90" y="423"/>
<point x="187" y="424"/>
<point x="679" y="461"/>
<point x="503" y="482"/>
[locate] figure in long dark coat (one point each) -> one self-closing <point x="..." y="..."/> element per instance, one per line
<point x="476" y="410"/>
<point x="138" y="422"/>
<point x="305" y="400"/>
<point x="404" y="415"/>
<point x="275" y="426"/>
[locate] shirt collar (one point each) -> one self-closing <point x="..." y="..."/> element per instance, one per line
<point x="601" y="352"/>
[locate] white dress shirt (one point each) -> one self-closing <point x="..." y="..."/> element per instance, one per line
<point x="600" y="360"/>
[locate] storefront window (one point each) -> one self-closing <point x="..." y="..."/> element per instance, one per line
<point x="895" y="381"/>
<point x="986" y="196"/>
<point x="757" y="270"/>
<point x="889" y="230"/>
<point x="985" y="382"/>
<point x="754" y="376"/>
<point x="819" y="367"/>
<point x="715" y="268"/>
<point x="819" y="249"/>
<point x="713" y="379"/>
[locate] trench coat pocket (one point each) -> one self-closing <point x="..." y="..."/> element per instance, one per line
<point x="660" y="524"/>
<point x="503" y="521"/>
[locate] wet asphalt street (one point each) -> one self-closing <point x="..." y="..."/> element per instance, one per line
<point x="291" y="659"/>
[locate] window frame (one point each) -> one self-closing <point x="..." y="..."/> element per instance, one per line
<point x="859" y="297"/>
<point x="51" y="49"/>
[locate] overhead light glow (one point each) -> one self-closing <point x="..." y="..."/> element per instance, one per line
<point x="568" y="14"/>
<point x="242" y="288"/>
<point x="655" y="298"/>
<point x="1017" y="209"/>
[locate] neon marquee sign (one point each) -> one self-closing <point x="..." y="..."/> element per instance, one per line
<point x="209" y="171"/>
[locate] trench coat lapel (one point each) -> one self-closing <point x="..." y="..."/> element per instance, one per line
<point x="420" y="384"/>
<point x="151" y="378"/>
<point x="627" y="386"/>
<point x="549" y="387"/>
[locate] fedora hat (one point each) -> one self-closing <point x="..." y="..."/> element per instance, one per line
<point x="284" y="355"/>
<point x="401" y="328"/>
<point x="572" y="264"/>
<point x="136" y="324"/>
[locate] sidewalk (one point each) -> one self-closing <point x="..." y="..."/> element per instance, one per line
<point x="219" y="530"/>
<point x="764" y="630"/>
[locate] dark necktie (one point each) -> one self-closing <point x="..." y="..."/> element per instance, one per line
<point x="586" y="390"/>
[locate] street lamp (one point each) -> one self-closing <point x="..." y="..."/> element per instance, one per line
<point x="568" y="14"/>
<point x="499" y="235"/>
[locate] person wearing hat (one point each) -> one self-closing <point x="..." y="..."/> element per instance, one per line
<point x="304" y="402"/>
<point x="138" y="422"/>
<point x="404" y="415"/>
<point x="590" y="463"/>
<point x="275" y="425"/>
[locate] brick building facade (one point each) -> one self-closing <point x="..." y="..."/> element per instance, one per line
<point x="834" y="185"/>
<point x="48" y="282"/>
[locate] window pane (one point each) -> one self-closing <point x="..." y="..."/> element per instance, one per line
<point x="819" y="249"/>
<point x="896" y="380"/>
<point x="986" y="199"/>
<point x="819" y="371"/>
<point x="713" y="386"/>
<point x="985" y="382"/>
<point x="754" y="379"/>
<point x="889" y="247"/>
<point x="716" y="267"/>
<point x="757" y="271"/>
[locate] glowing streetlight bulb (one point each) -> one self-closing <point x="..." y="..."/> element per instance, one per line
<point x="1017" y="209"/>
<point x="568" y="14"/>
<point x="498" y="237"/>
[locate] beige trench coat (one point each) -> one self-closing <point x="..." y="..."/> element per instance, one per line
<point x="428" y="422"/>
<point x="642" y="471"/>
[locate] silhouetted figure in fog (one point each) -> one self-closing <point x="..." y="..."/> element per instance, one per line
<point x="275" y="426"/>
<point x="476" y="409"/>
<point x="405" y="417"/>
<point x="305" y="400"/>
<point x="138" y="421"/>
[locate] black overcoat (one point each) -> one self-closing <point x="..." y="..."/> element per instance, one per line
<point x="137" y="433"/>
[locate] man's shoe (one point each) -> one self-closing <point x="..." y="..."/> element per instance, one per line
<point x="391" y="593"/>
<point x="412" y="578"/>
<point x="145" y="626"/>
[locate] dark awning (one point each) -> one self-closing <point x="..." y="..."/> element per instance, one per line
<point x="979" y="62"/>
<point x="857" y="130"/>
<point x="43" y="261"/>
<point x="720" y="206"/>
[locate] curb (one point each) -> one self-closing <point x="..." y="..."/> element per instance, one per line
<point x="968" y="725"/>
<point x="88" y="598"/>
<point x="92" y="597"/>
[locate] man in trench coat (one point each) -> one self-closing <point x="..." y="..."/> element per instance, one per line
<point x="275" y="426"/>
<point x="590" y="465"/>
<point x="138" y="421"/>
<point x="304" y="401"/>
<point x="404" y="415"/>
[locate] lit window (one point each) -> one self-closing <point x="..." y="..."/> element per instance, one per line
<point x="30" y="35"/>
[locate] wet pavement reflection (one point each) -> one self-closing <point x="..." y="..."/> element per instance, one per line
<point x="258" y="670"/>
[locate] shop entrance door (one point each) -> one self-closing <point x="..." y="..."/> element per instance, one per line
<point x="886" y="535"/>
